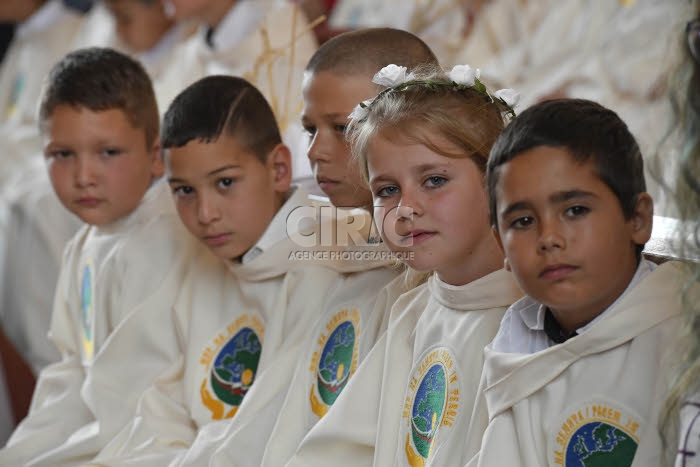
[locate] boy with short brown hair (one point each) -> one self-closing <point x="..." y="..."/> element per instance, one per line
<point x="99" y="120"/>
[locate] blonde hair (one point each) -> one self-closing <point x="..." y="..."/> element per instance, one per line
<point x="466" y="119"/>
<point x="455" y="123"/>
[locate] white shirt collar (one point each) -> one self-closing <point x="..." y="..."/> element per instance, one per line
<point x="241" y="20"/>
<point x="42" y="19"/>
<point x="522" y="328"/>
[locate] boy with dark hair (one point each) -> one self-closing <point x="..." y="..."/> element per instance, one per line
<point x="338" y="77"/>
<point x="99" y="121"/>
<point x="243" y="313"/>
<point x="577" y="369"/>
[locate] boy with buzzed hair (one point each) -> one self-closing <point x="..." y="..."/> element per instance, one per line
<point x="99" y="121"/>
<point x="245" y="307"/>
<point x="577" y="370"/>
<point x="337" y="78"/>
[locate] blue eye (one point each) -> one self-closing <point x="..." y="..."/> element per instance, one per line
<point x="387" y="191"/>
<point x="435" y="181"/>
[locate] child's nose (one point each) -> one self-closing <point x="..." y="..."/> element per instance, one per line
<point x="84" y="172"/>
<point x="320" y="149"/>
<point x="207" y="210"/>
<point x="411" y="203"/>
<point x="551" y="236"/>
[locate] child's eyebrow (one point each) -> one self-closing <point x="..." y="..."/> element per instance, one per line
<point x="429" y="167"/>
<point x="517" y="206"/>
<point x="222" y="169"/>
<point x="380" y="178"/>
<point x="213" y="172"/>
<point x="563" y="196"/>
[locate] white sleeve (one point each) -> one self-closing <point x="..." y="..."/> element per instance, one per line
<point x="57" y="407"/>
<point x="161" y="429"/>
<point x="37" y="231"/>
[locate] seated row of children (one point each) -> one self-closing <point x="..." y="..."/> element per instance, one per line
<point x="255" y="39"/>
<point x="236" y="324"/>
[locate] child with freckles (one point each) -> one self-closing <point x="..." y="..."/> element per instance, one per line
<point x="422" y="146"/>
<point x="579" y="367"/>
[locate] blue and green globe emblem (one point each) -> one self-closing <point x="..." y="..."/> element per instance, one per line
<point x="86" y="302"/>
<point x="336" y="362"/>
<point x="597" y="444"/>
<point x="428" y="408"/>
<point x="235" y="366"/>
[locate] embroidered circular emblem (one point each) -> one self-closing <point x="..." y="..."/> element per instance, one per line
<point x="235" y="366"/>
<point x="598" y="443"/>
<point x="432" y="390"/>
<point x="336" y="361"/>
<point x="87" y="310"/>
<point x="231" y="366"/>
<point x="428" y="407"/>
<point x="597" y="434"/>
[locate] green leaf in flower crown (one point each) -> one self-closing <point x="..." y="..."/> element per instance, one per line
<point x="479" y="86"/>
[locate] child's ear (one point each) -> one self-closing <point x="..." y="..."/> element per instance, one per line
<point x="641" y="220"/>
<point x="157" y="166"/>
<point x="279" y="162"/>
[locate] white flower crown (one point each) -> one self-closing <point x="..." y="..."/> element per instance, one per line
<point x="396" y="78"/>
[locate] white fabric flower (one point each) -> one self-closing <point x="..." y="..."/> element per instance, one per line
<point x="509" y="96"/>
<point x="392" y="75"/>
<point x="361" y="110"/>
<point x="464" y="74"/>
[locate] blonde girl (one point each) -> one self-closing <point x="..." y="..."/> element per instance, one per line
<point x="422" y="146"/>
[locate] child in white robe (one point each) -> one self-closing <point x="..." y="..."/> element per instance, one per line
<point x="423" y="146"/>
<point x="338" y="76"/>
<point x="36" y="232"/>
<point x="37" y="226"/>
<point x="578" y="369"/>
<point x="242" y="312"/>
<point x="267" y="42"/>
<point x="145" y="30"/>
<point x="100" y="123"/>
<point x="45" y="31"/>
